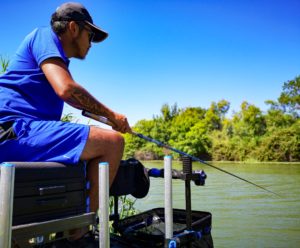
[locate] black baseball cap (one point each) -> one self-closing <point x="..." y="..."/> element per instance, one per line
<point x="72" y="11"/>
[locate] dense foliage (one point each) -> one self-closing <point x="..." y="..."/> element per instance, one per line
<point x="248" y="135"/>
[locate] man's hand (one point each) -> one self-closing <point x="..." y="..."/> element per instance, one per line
<point x="120" y="123"/>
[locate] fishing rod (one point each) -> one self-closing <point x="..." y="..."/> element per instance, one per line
<point x="161" y="144"/>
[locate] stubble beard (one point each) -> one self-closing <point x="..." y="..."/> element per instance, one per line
<point x="79" y="54"/>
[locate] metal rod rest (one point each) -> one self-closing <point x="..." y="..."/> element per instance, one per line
<point x="187" y="169"/>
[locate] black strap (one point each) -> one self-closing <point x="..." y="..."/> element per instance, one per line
<point x="7" y="131"/>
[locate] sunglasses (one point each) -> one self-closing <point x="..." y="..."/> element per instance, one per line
<point x="91" y="34"/>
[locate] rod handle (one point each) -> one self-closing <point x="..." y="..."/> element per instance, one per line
<point x="103" y="120"/>
<point x="97" y="118"/>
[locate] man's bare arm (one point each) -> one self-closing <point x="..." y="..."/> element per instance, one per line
<point x="74" y="94"/>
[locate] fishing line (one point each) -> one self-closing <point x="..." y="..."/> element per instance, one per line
<point x="161" y="144"/>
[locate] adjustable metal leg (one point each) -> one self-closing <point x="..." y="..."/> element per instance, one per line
<point x="168" y="197"/>
<point x="104" y="241"/>
<point x="6" y="203"/>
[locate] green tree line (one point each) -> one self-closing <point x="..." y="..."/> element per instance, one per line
<point x="248" y="135"/>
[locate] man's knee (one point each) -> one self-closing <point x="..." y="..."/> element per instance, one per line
<point x="102" y="142"/>
<point x="119" y="140"/>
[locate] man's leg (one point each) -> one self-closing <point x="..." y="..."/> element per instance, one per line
<point x="102" y="146"/>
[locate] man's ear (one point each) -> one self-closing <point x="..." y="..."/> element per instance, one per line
<point x="73" y="28"/>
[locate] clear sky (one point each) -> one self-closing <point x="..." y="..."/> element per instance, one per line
<point x="189" y="52"/>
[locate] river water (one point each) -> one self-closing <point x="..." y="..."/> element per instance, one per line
<point x="242" y="214"/>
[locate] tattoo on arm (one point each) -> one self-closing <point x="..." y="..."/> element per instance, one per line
<point x="82" y="99"/>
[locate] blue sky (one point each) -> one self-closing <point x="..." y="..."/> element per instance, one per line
<point x="189" y="52"/>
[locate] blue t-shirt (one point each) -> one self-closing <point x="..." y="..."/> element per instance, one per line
<point x="24" y="90"/>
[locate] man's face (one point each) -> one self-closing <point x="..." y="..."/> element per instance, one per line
<point x="82" y="43"/>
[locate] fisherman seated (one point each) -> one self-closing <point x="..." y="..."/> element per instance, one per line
<point x="34" y="89"/>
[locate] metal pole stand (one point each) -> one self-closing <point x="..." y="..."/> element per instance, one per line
<point x="7" y="181"/>
<point x="104" y="237"/>
<point x="187" y="170"/>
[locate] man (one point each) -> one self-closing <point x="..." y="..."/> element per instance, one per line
<point x="32" y="93"/>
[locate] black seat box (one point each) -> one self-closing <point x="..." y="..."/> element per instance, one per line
<point x="47" y="190"/>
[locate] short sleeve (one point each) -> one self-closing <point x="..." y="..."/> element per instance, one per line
<point x="45" y="44"/>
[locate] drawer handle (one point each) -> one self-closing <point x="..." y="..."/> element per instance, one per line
<point x="52" y="190"/>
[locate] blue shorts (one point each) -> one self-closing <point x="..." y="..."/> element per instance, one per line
<point x="48" y="141"/>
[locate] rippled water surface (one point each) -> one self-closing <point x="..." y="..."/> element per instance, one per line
<point x="243" y="215"/>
